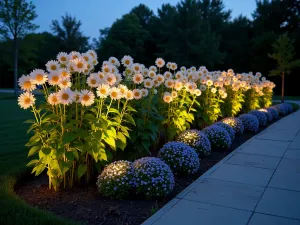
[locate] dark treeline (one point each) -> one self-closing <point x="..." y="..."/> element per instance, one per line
<point x="194" y="32"/>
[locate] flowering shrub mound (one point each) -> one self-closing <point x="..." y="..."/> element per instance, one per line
<point x="262" y="118"/>
<point x="181" y="158"/>
<point x="152" y="177"/>
<point x="228" y="128"/>
<point x="115" y="181"/>
<point x="288" y="107"/>
<point x="267" y="114"/>
<point x="250" y="122"/>
<point x="218" y="136"/>
<point x="281" y="109"/>
<point x="197" y="140"/>
<point x="235" y="123"/>
<point x="274" y="112"/>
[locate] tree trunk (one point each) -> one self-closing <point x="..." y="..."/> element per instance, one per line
<point x="282" y="88"/>
<point x="16" y="51"/>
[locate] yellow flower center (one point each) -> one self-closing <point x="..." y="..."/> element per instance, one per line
<point x="113" y="61"/>
<point x="27" y="101"/>
<point x="136" y="68"/>
<point x="63" y="58"/>
<point x="136" y="94"/>
<point x="27" y="84"/>
<point x="106" y="69"/>
<point x="86" y="58"/>
<point x="53" y="67"/>
<point x="148" y="83"/>
<point x="64" y="73"/>
<point x="103" y="91"/>
<point x="127" y="61"/>
<point x="93" y="81"/>
<point x="159" y="62"/>
<point x="64" y="82"/>
<point x="85" y="98"/>
<point x="159" y="79"/>
<point x="54" y="99"/>
<point x="74" y="57"/>
<point x="39" y="77"/>
<point x="65" y="96"/>
<point x="55" y="79"/>
<point x="79" y="65"/>
<point x="109" y="79"/>
<point x="88" y="66"/>
<point x="114" y="94"/>
<point x="138" y="78"/>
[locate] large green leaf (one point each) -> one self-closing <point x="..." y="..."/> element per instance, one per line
<point x="68" y="137"/>
<point x="33" y="150"/>
<point x="82" y="168"/>
<point x="32" y="162"/>
<point x="111" y="142"/>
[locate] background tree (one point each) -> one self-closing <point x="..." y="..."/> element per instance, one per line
<point x="69" y="35"/>
<point x="16" y="19"/>
<point x="284" y="55"/>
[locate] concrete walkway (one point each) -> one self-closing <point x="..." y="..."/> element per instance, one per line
<point x="257" y="184"/>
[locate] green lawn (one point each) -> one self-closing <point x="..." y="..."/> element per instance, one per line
<point x="13" y="158"/>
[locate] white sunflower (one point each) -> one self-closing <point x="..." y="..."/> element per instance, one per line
<point x="38" y="77"/>
<point x="103" y="90"/>
<point x="63" y="57"/>
<point x="26" y="83"/>
<point x="26" y="100"/>
<point x="87" y="98"/>
<point x="52" y="66"/>
<point x="65" y="96"/>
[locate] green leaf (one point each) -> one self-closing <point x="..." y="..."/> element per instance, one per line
<point x="98" y="135"/>
<point x="81" y="170"/>
<point x="121" y="137"/>
<point x="39" y="169"/>
<point x="129" y="108"/>
<point x="34" y="150"/>
<point x="64" y="166"/>
<point x="112" y="110"/>
<point x="81" y="133"/>
<point x="70" y="156"/>
<point x="111" y="142"/>
<point x="130" y="119"/>
<point x="68" y="137"/>
<point x="29" y="121"/>
<point x="46" y="151"/>
<point x="32" y="162"/>
<point x="120" y="144"/>
<point x="103" y="154"/>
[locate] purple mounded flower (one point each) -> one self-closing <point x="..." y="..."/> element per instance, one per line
<point x="250" y="122"/>
<point x="281" y="109"/>
<point x="228" y="128"/>
<point x="115" y="180"/>
<point x="181" y="158"/>
<point x="235" y="123"/>
<point x="218" y="136"/>
<point x="274" y="112"/>
<point x="262" y="118"/>
<point x="288" y="107"/>
<point x="152" y="177"/>
<point x="267" y="114"/>
<point x="197" y="140"/>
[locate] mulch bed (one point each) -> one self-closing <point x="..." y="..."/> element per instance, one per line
<point x="84" y="204"/>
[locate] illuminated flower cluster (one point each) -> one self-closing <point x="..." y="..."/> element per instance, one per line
<point x="274" y="112"/>
<point x="267" y="114"/>
<point x="152" y="177"/>
<point x="197" y="140"/>
<point x="250" y="122"/>
<point x="181" y="158"/>
<point x="228" y="128"/>
<point x="115" y="181"/>
<point x="235" y="123"/>
<point x="218" y="136"/>
<point x="262" y="118"/>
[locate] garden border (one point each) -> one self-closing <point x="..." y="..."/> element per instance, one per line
<point x="151" y="220"/>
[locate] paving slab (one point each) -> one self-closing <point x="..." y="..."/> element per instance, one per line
<point x="195" y="213"/>
<point x="292" y="154"/>
<point x="280" y="202"/>
<point x="224" y="193"/>
<point x="295" y="143"/>
<point x="287" y="175"/>
<point x="277" y="135"/>
<point x="262" y="219"/>
<point x="266" y="147"/>
<point x="244" y="159"/>
<point x="243" y="174"/>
